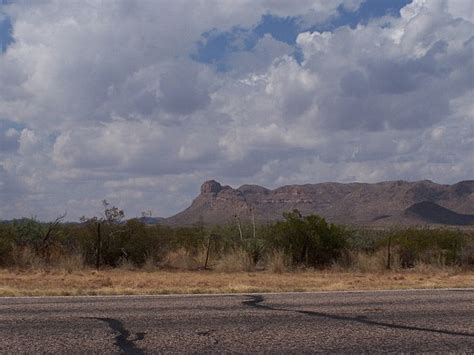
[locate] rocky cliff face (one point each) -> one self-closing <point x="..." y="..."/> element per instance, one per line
<point x="379" y="204"/>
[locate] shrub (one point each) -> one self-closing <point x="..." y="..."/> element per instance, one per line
<point x="308" y="240"/>
<point x="277" y="262"/>
<point x="369" y="262"/>
<point x="238" y="260"/>
<point x="296" y="241"/>
<point x="430" y="246"/>
<point x="182" y="259"/>
<point x="255" y="248"/>
<point x="7" y="243"/>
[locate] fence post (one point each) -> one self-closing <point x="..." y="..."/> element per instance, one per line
<point x="389" y="254"/>
<point x="97" y="261"/>
<point x="207" y="252"/>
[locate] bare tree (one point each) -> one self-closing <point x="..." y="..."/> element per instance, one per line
<point x="112" y="216"/>
<point x="47" y="237"/>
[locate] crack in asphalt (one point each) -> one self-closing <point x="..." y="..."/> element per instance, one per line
<point x="256" y="302"/>
<point x="122" y="340"/>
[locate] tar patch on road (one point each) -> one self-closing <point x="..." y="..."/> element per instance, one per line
<point x="256" y="301"/>
<point x="122" y="340"/>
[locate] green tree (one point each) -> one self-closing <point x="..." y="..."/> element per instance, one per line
<point x="308" y="240"/>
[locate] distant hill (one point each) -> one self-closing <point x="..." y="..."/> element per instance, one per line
<point x="150" y="220"/>
<point x="16" y="221"/>
<point x="379" y="204"/>
<point x="432" y="213"/>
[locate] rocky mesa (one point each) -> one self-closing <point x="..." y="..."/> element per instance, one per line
<point x="361" y="204"/>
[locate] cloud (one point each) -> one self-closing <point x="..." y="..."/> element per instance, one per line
<point x="105" y="100"/>
<point x="9" y="137"/>
<point x="184" y="88"/>
<point x="259" y="57"/>
<point x="391" y="84"/>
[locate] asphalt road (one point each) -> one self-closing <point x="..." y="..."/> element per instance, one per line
<point x="391" y="321"/>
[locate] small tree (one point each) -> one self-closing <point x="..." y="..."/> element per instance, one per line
<point x="42" y="238"/>
<point x="107" y="225"/>
<point x="308" y="240"/>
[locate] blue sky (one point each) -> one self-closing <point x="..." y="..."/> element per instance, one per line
<point x="217" y="46"/>
<point x="139" y="102"/>
<point x="5" y="28"/>
<point x="5" y="33"/>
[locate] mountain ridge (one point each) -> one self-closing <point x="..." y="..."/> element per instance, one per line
<point x="372" y="204"/>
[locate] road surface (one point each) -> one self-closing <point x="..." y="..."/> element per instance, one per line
<point x="384" y="321"/>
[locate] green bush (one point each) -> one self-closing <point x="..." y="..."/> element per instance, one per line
<point x="432" y="246"/>
<point x="308" y="240"/>
<point x="7" y="242"/>
<point x="297" y="240"/>
<point x="29" y="232"/>
<point x="140" y="241"/>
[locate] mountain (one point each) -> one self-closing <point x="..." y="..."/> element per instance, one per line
<point x="151" y="220"/>
<point x="379" y="204"/>
<point x="432" y="213"/>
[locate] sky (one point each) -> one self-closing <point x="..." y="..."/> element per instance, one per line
<point x="139" y="102"/>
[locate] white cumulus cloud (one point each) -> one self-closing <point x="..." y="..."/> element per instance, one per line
<point x="102" y="99"/>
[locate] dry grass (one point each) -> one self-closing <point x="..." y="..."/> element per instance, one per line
<point x="278" y="262"/>
<point x="364" y="262"/>
<point x="71" y="263"/>
<point x="235" y="262"/>
<point x="26" y="258"/>
<point x="123" y="281"/>
<point x="182" y="260"/>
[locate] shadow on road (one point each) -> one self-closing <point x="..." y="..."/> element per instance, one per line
<point x="256" y="302"/>
<point x="122" y="340"/>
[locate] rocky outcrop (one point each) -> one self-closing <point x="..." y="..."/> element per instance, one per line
<point x="210" y="187"/>
<point x="380" y="204"/>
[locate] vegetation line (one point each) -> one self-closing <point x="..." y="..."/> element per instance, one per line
<point x="296" y="243"/>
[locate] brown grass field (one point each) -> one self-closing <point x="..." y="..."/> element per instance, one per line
<point x="138" y="282"/>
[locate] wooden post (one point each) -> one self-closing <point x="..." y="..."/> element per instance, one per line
<point x="97" y="261"/>
<point x="389" y="254"/>
<point x="253" y="224"/>
<point x="207" y="252"/>
<point x="455" y="254"/>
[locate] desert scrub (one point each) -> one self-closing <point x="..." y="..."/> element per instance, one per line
<point x="238" y="260"/>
